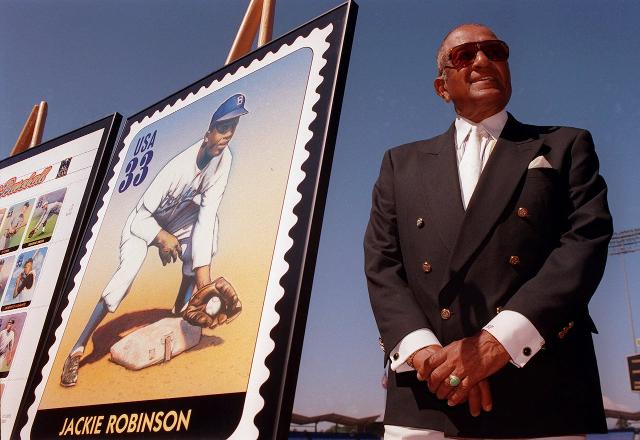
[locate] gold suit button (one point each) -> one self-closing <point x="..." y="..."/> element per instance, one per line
<point x="514" y="260"/>
<point x="565" y="330"/>
<point x="426" y="267"/>
<point x="498" y="309"/>
<point x="445" y="314"/>
<point x="523" y="212"/>
<point x="420" y="222"/>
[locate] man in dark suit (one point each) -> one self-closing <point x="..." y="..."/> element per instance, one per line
<point x="482" y="251"/>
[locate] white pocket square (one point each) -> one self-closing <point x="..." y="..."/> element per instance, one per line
<point x="539" y="162"/>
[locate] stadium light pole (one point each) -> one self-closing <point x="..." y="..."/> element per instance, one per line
<point x="622" y="243"/>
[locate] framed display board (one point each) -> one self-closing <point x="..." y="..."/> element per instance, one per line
<point x="183" y="316"/>
<point x="46" y="194"/>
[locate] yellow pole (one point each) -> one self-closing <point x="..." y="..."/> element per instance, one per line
<point x="260" y="14"/>
<point x="38" y="129"/>
<point x="266" y="22"/>
<point x="32" y="130"/>
<point x="247" y="31"/>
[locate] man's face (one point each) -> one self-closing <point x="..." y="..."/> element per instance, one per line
<point x="9" y="326"/>
<point x="28" y="267"/>
<point x="219" y="136"/>
<point x="481" y="89"/>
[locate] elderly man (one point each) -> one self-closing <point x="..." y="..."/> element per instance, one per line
<point x="482" y="251"/>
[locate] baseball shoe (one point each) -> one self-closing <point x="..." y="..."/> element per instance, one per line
<point x="31" y="233"/>
<point x="69" y="375"/>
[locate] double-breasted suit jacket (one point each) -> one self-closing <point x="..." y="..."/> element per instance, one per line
<point x="532" y="240"/>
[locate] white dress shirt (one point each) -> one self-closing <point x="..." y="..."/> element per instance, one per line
<point x="512" y="329"/>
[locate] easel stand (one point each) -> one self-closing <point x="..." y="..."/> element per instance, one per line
<point x="31" y="134"/>
<point x="259" y="14"/>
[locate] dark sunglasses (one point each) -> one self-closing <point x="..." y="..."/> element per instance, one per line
<point x="224" y="126"/>
<point x="465" y="54"/>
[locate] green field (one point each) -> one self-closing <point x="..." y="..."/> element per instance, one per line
<point x="48" y="230"/>
<point x="16" y="238"/>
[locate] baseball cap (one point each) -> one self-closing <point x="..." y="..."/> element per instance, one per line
<point x="231" y="108"/>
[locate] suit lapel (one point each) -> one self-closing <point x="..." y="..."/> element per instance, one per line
<point x="512" y="153"/>
<point x="441" y="187"/>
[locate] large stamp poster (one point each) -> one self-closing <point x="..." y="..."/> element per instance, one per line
<point x="183" y="315"/>
<point x="45" y="195"/>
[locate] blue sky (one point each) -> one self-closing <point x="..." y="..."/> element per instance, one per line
<point x="573" y="63"/>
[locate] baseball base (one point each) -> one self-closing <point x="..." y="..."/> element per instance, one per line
<point x="155" y="343"/>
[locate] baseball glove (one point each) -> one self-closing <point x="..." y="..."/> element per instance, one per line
<point x="196" y="310"/>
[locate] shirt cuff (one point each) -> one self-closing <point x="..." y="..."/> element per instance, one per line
<point x="409" y="344"/>
<point x="517" y="335"/>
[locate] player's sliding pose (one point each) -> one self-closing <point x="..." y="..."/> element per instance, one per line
<point x="47" y="210"/>
<point x="178" y="215"/>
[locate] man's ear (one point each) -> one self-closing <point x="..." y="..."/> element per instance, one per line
<point x="441" y="88"/>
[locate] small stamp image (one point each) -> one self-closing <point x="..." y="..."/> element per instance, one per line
<point x="14" y="226"/>
<point x="3" y="211"/>
<point x="45" y="217"/>
<point x="6" y="265"/>
<point x="64" y="167"/>
<point x="22" y="286"/>
<point x="10" y="331"/>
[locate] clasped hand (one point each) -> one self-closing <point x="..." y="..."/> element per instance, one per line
<point x="472" y="360"/>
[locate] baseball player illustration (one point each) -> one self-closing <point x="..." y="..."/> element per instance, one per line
<point x="25" y="275"/>
<point x="13" y="229"/>
<point x="48" y="209"/>
<point x="5" y="271"/>
<point x="177" y="214"/>
<point x="25" y="279"/>
<point x="64" y="168"/>
<point x="3" y="211"/>
<point x="7" y="345"/>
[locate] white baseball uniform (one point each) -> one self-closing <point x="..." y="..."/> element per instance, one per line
<point x="13" y="224"/>
<point x="4" y="276"/>
<point x="48" y="211"/>
<point x="182" y="200"/>
<point x="6" y="343"/>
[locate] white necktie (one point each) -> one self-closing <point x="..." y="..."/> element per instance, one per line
<point x="471" y="163"/>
